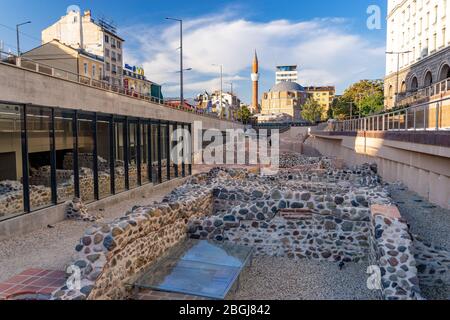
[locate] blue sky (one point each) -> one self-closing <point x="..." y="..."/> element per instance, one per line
<point x="328" y="39"/>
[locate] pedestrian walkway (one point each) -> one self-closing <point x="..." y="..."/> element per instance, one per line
<point x="32" y="283"/>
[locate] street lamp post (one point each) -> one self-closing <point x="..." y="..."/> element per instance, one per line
<point x="181" y="60"/>
<point x="18" y="36"/>
<point x="231" y="85"/>
<point x="221" y="84"/>
<point x="398" y="53"/>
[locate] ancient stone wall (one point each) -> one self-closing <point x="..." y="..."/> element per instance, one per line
<point x="323" y="215"/>
<point x="392" y="251"/>
<point x="111" y="256"/>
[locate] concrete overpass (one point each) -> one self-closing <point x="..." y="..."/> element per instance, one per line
<point x="20" y="85"/>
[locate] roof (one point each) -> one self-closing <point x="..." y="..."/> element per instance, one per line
<point x="79" y="51"/>
<point x="287" y="86"/>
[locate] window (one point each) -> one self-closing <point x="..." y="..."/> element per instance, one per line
<point x="119" y="44"/>
<point x="106" y="38"/>
<point x="100" y="73"/>
<point x="444" y="35"/>
<point x="113" y="42"/>
<point x="107" y="53"/>
<point x="85" y="69"/>
<point x="11" y="161"/>
<point x="85" y="157"/>
<point x="114" y="68"/>
<point x="119" y="57"/>
<point x="108" y="67"/>
<point x="435" y="41"/>
<point x="93" y="72"/>
<point x="113" y="55"/>
<point x="436" y="13"/>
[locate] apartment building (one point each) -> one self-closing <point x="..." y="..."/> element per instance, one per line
<point x="63" y="57"/>
<point x="286" y="74"/>
<point x="96" y="37"/>
<point x="323" y="96"/>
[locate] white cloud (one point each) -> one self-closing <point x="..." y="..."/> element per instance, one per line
<point x="326" y="52"/>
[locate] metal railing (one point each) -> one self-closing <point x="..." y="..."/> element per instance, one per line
<point x="411" y="97"/>
<point x="29" y="64"/>
<point x="430" y="116"/>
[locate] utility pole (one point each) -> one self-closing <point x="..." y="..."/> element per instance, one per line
<point x="18" y="36"/>
<point x="181" y="61"/>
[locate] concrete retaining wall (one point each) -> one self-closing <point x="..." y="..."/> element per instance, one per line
<point x="424" y="169"/>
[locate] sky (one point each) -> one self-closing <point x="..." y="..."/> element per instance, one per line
<point x="329" y="40"/>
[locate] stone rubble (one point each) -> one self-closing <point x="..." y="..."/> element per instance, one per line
<point x="76" y="210"/>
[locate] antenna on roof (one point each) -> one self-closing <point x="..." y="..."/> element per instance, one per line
<point x="107" y="23"/>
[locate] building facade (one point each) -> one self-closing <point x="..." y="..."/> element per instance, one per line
<point x="95" y="37"/>
<point x="418" y="57"/>
<point x="323" y="96"/>
<point x="63" y="57"/>
<point x="286" y="74"/>
<point x="285" y="98"/>
<point x="135" y="81"/>
<point x="230" y="104"/>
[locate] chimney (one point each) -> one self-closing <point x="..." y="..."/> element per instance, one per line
<point x="87" y="13"/>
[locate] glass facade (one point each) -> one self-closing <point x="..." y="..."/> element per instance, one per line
<point x="51" y="155"/>
<point x="38" y="124"/>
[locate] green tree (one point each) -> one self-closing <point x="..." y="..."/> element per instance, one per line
<point x="312" y="111"/>
<point x="244" y="114"/>
<point x="362" y="98"/>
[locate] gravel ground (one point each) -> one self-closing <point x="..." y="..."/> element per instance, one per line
<point x="53" y="248"/>
<point x="272" y="278"/>
<point x="430" y="222"/>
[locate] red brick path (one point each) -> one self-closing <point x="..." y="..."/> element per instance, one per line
<point x="32" y="281"/>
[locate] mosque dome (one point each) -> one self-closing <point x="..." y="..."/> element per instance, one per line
<point x="287" y="86"/>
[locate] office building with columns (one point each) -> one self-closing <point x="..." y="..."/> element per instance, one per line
<point x="418" y="51"/>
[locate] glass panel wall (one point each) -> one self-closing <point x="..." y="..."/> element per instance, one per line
<point x="173" y="151"/>
<point x="119" y="148"/>
<point x="181" y="169"/>
<point x="104" y="159"/>
<point x="155" y="153"/>
<point x="39" y="156"/>
<point x="132" y="158"/>
<point x="86" y="157"/>
<point x="11" y="190"/>
<point x="54" y="141"/>
<point x="164" y="152"/>
<point x="64" y="142"/>
<point x="144" y="154"/>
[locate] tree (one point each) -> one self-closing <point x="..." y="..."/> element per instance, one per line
<point x="244" y="114"/>
<point x="312" y="111"/>
<point x="362" y="98"/>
